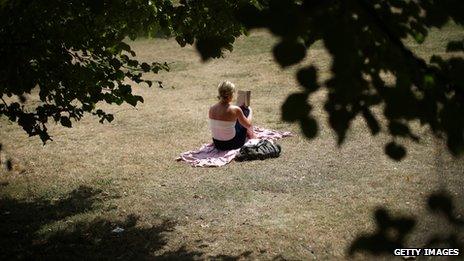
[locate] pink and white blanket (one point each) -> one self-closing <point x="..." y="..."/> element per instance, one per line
<point x="209" y="156"/>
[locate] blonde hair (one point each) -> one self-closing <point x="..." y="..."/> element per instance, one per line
<point x="225" y="90"/>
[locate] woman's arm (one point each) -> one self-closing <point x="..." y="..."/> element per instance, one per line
<point x="250" y="114"/>
<point x="244" y="121"/>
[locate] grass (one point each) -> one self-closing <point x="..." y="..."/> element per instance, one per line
<point x="62" y="200"/>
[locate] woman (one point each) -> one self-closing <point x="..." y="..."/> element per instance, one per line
<point x="230" y="124"/>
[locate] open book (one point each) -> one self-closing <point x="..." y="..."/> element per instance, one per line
<point x="243" y="98"/>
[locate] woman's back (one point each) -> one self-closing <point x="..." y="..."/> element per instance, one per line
<point x="222" y="121"/>
<point x="222" y="112"/>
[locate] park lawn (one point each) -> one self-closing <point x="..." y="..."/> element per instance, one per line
<point x="63" y="199"/>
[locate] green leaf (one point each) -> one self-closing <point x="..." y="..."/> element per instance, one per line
<point x="119" y="75"/>
<point x="429" y="81"/>
<point x="419" y="37"/>
<point x="115" y="63"/>
<point x="123" y="46"/>
<point x="133" y="63"/>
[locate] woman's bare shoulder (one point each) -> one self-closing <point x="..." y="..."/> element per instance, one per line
<point x="234" y="107"/>
<point x="213" y="107"/>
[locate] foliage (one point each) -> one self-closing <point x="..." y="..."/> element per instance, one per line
<point x="366" y="41"/>
<point x="74" y="53"/>
<point x="210" y="24"/>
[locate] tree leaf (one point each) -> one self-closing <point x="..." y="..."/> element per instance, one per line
<point x="145" y="67"/>
<point x="309" y="127"/>
<point x="65" y="121"/>
<point x="395" y="151"/>
<point x="295" y="107"/>
<point x="307" y="77"/>
<point x="287" y="53"/>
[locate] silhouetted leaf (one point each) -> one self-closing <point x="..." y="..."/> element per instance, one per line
<point x="309" y="127"/>
<point x="115" y="63"/>
<point x="65" y="122"/>
<point x="250" y="16"/>
<point x="285" y="18"/>
<point x="9" y="165"/>
<point x="289" y="52"/>
<point x="210" y="47"/>
<point x="307" y="77"/>
<point x="395" y="151"/>
<point x="150" y="83"/>
<point x="145" y="67"/>
<point x="295" y="107"/>
<point x="371" y="121"/>
<point x="109" y="117"/>
<point x="398" y="129"/>
<point x="123" y="46"/>
<point x="22" y="98"/>
<point x="339" y="119"/>
<point x="455" y="46"/>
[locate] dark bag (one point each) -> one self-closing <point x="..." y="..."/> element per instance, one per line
<point x="263" y="150"/>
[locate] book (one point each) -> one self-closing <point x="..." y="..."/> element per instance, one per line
<point x="243" y="98"/>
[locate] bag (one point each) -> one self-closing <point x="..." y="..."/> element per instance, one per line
<point x="263" y="150"/>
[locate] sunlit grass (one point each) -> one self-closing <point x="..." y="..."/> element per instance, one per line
<point x="310" y="202"/>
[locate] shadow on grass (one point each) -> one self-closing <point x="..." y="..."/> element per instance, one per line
<point x="392" y="231"/>
<point x="22" y="221"/>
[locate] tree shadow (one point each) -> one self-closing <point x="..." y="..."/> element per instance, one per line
<point x="23" y="222"/>
<point x="391" y="232"/>
<point x="20" y="220"/>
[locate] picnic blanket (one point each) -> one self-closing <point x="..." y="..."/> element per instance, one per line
<point x="208" y="156"/>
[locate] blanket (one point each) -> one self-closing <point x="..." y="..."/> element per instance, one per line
<point x="208" y="156"/>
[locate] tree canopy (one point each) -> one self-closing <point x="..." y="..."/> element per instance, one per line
<point x="74" y="53"/>
<point x="366" y="40"/>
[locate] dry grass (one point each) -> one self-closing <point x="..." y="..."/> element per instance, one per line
<point x="309" y="203"/>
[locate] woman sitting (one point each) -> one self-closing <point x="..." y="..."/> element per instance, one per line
<point x="230" y="124"/>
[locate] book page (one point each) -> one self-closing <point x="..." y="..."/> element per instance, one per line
<point x="243" y="98"/>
